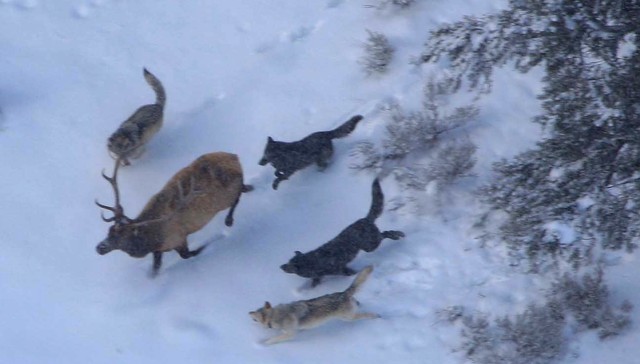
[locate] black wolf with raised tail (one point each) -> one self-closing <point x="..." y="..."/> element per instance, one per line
<point x="332" y="257"/>
<point x="289" y="157"/>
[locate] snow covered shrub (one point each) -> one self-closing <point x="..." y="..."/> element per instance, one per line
<point x="587" y="301"/>
<point x="540" y="333"/>
<point x="584" y="174"/>
<point x="378" y="53"/>
<point x="450" y="314"/>
<point x="402" y="4"/>
<point x="532" y="337"/>
<point x="423" y="149"/>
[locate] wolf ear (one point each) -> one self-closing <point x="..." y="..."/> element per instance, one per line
<point x="267" y="305"/>
<point x="297" y="253"/>
<point x="269" y="140"/>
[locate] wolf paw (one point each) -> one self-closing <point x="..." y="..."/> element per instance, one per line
<point x="393" y="234"/>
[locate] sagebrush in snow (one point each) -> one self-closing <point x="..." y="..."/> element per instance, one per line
<point x="402" y="4"/>
<point x="587" y="301"/>
<point x="540" y="333"/>
<point x="532" y="337"/>
<point x="378" y="53"/>
<point x="422" y="148"/>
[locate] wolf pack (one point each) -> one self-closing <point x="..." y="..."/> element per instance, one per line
<point x="214" y="182"/>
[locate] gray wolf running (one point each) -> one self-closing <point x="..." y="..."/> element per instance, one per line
<point x="129" y="139"/>
<point x="332" y="257"/>
<point x="287" y="158"/>
<point x="306" y="314"/>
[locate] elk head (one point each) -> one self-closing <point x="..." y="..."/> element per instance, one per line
<point x="125" y="234"/>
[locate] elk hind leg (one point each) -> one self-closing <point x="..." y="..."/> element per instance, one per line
<point x="185" y="253"/>
<point x="229" y="219"/>
<point x="157" y="263"/>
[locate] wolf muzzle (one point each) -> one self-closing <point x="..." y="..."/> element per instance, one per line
<point x="288" y="268"/>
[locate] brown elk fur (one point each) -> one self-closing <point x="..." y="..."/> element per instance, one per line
<point x="189" y="200"/>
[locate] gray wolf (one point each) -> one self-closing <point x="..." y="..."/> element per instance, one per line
<point x="305" y="314"/>
<point x="332" y="257"/>
<point x="129" y="139"/>
<point x="289" y="157"/>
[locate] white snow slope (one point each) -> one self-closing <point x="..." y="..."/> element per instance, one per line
<point x="235" y="72"/>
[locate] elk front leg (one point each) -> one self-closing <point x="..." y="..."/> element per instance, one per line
<point x="157" y="263"/>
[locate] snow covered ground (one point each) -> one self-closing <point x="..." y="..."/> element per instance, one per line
<point x="235" y="72"/>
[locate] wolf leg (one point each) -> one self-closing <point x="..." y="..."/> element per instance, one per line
<point x="324" y="157"/>
<point x="286" y="335"/>
<point x="362" y="316"/>
<point x="348" y="271"/>
<point x="392" y="234"/>
<point x="315" y="281"/>
<point x="137" y="152"/>
<point x="280" y="176"/>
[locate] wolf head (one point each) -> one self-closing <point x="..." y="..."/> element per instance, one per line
<point x="262" y="315"/>
<point x="296" y="265"/>
<point x="122" y="141"/>
<point x="269" y="151"/>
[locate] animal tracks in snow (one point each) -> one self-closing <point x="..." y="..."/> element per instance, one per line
<point x="21" y="4"/>
<point x="296" y="35"/>
<point x="86" y="9"/>
<point x="288" y="37"/>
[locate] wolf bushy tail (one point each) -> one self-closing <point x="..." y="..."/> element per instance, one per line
<point x="377" y="201"/>
<point x="156" y="85"/>
<point x="346" y="128"/>
<point x="359" y="280"/>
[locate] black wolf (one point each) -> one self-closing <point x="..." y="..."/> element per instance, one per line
<point x="287" y="158"/>
<point x="332" y="257"/>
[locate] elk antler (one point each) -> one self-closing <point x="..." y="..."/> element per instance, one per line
<point x="118" y="211"/>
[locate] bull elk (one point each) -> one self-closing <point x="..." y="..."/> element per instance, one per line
<point x="190" y="199"/>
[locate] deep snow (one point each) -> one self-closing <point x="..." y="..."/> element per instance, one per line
<point x="235" y="73"/>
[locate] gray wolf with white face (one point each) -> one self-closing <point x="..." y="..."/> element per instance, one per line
<point x="132" y="135"/>
<point x="287" y="158"/>
<point x="306" y="314"/>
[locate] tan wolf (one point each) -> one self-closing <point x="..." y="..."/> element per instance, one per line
<point x="306" y="314"/>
